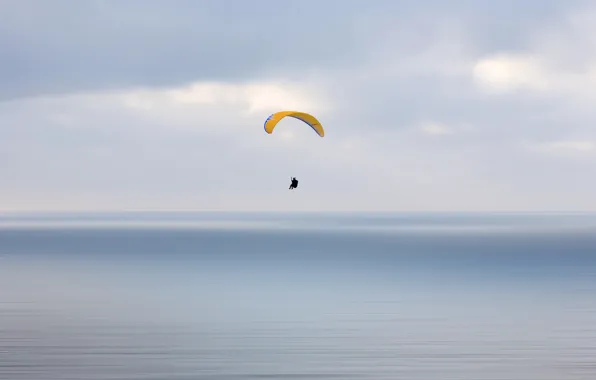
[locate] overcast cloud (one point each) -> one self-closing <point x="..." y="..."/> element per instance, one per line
<point x="427" y="105"/>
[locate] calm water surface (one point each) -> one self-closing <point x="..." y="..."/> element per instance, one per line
<point x="255" y="296"/>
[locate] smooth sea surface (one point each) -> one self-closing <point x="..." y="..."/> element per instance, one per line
<point x="183" y="296"/>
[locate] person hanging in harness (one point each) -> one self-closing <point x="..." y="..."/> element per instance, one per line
<point x="294" y="183"/>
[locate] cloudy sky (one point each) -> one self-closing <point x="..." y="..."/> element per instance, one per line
<point x="427" y="105"/>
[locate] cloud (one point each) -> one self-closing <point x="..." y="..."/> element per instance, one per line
<point x="203" y="139"/>
<point x="257" y="97"/>
<point x="436" y="129"/>
<point x="91" y="46"/>
<point x="510" y="72"/>
<point x="567" y="147"/>
<point x="559" y="59"/>
<point x="427" y="106"/>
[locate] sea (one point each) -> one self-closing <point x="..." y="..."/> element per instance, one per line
<point x="234" y="296"/>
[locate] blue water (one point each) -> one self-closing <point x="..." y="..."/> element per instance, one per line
<point x="297" y="296"/>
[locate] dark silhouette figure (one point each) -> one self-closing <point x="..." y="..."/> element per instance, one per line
<point x="294" y="183"/>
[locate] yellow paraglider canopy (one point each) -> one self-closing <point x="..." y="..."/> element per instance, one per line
<point x="272" y="121"/>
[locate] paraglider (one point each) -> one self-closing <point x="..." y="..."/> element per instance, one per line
<point x="308" y="119"/>
<point x="293" y="184"/>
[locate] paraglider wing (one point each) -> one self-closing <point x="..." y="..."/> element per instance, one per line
<point x="310" y="120"/>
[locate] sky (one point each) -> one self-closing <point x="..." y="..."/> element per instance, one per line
<point x="436" y="105"/>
